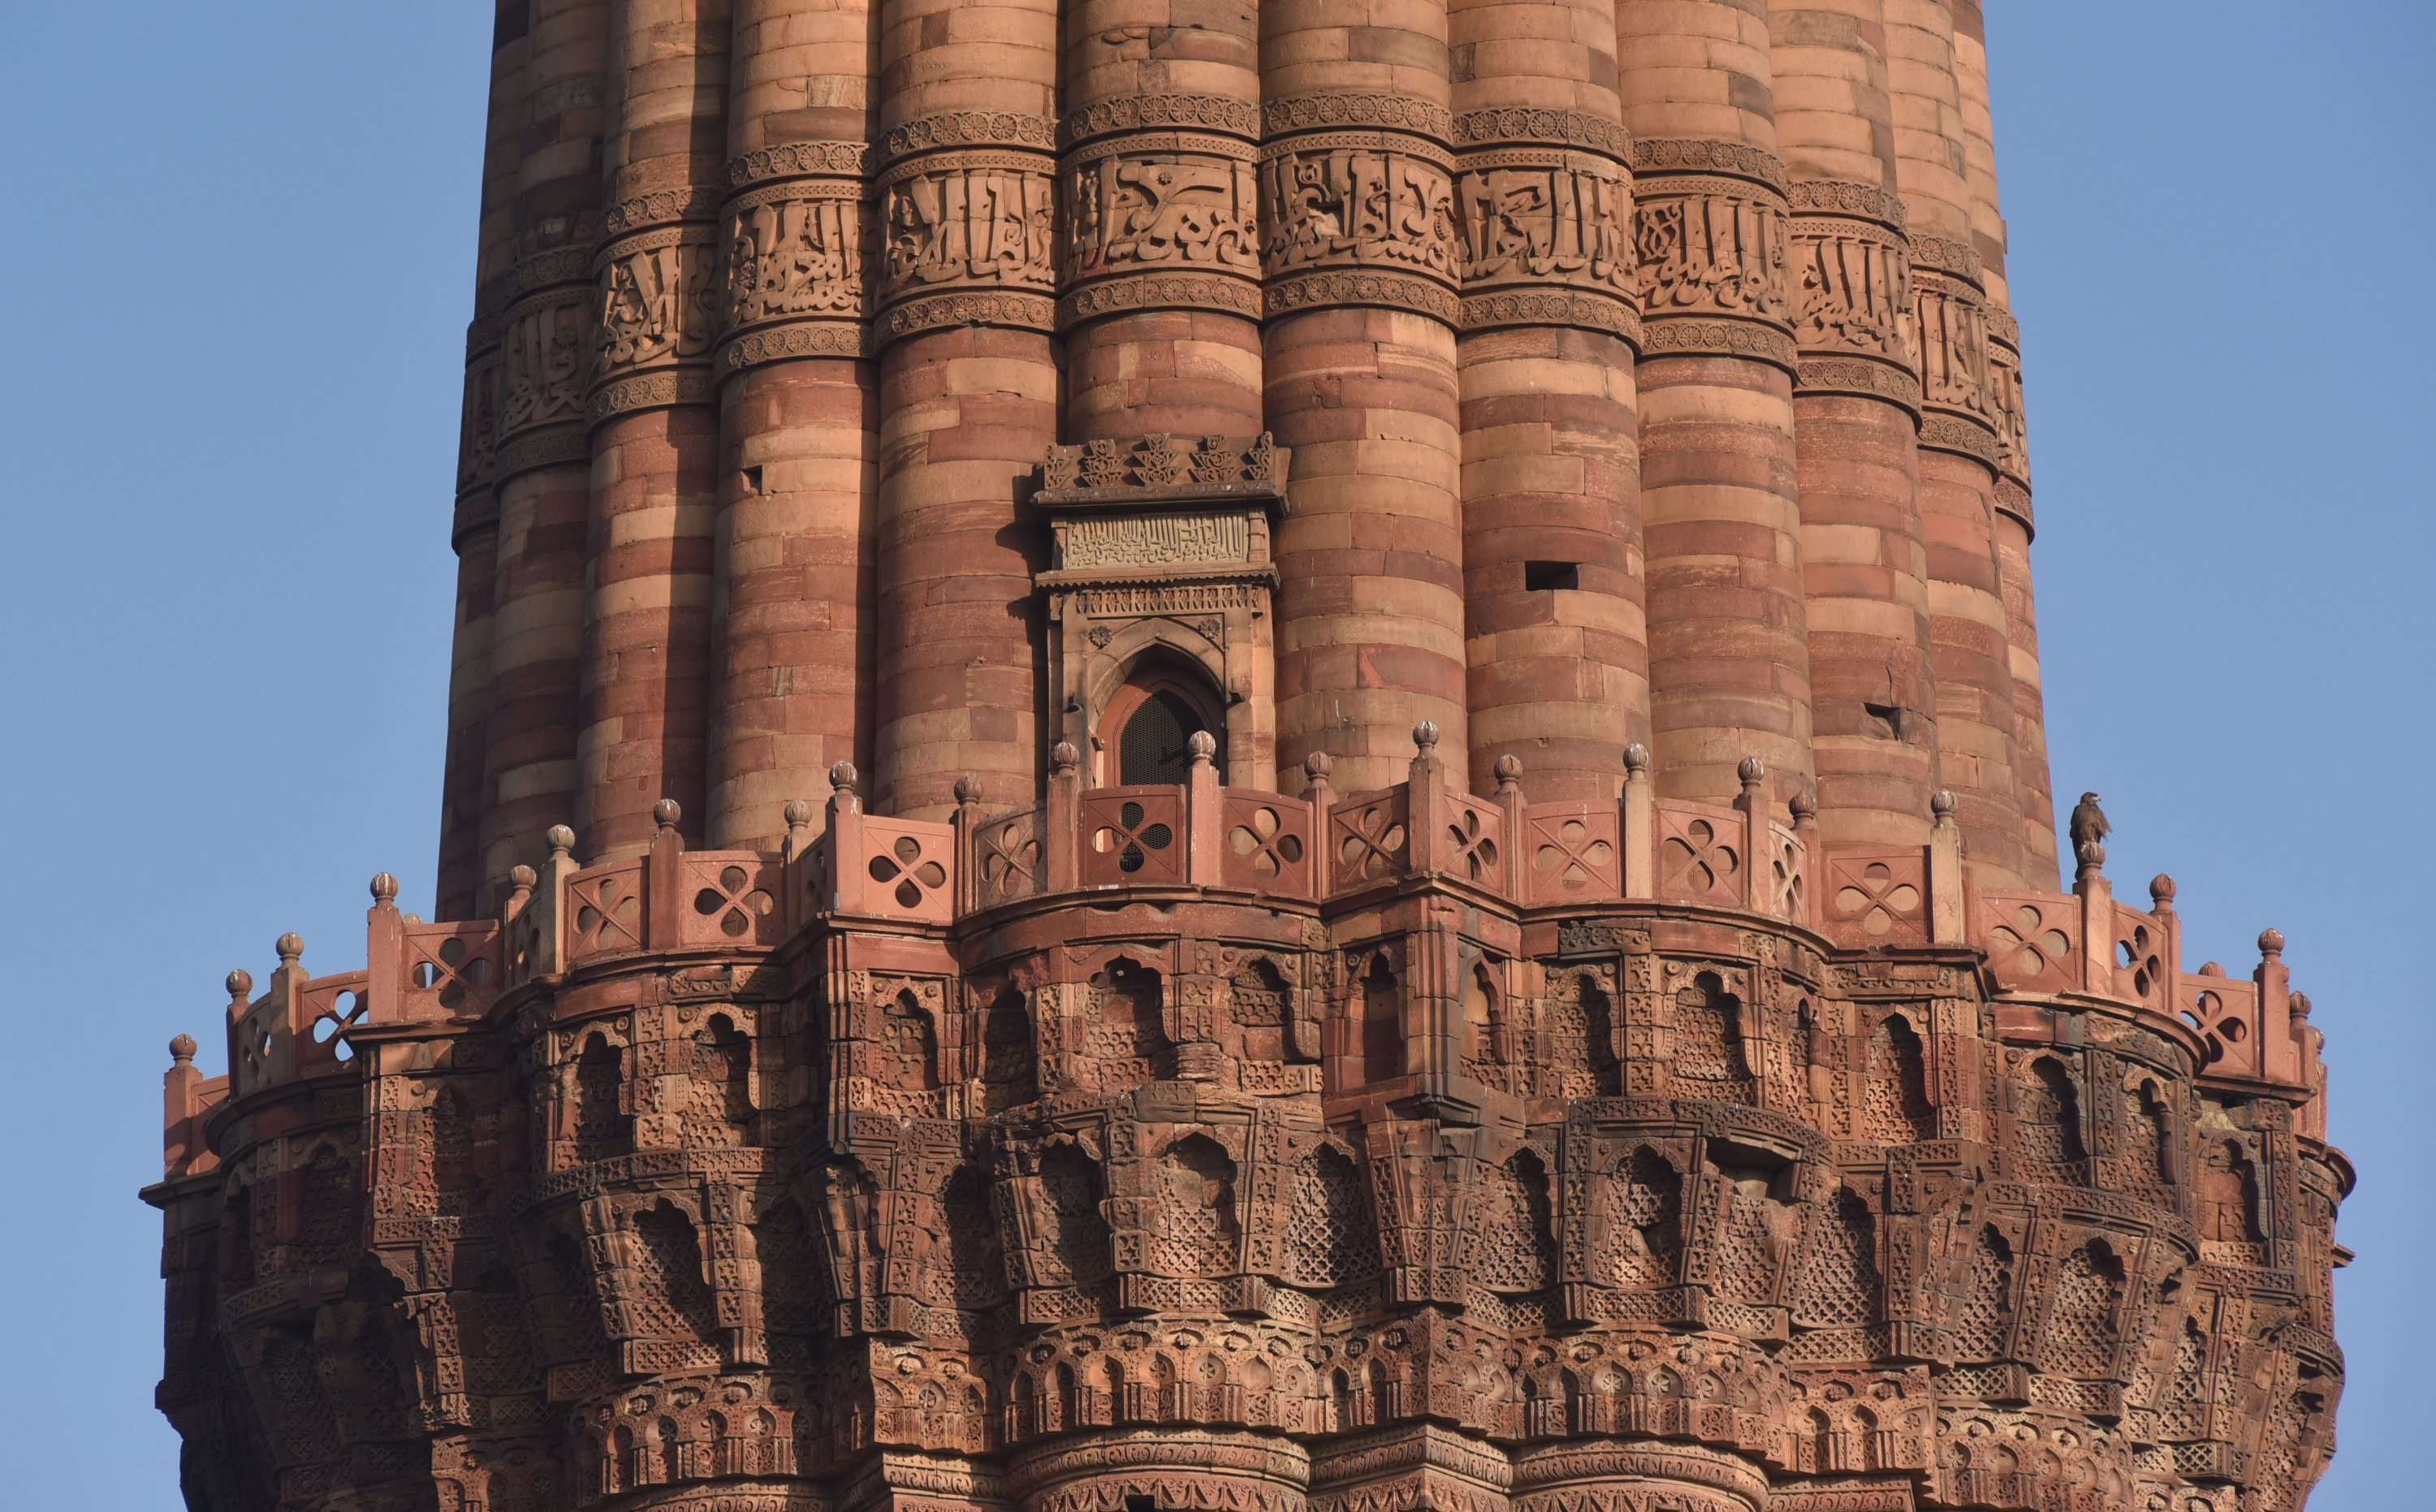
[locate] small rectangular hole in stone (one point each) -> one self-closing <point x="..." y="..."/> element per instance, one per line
<point x="752" y="481"/>
<point x="1546" y="576"/>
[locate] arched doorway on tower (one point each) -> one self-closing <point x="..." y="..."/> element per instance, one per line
<point x="1146" y="728"/>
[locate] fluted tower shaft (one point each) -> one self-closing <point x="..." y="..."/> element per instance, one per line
<point x="1278" y="758"/>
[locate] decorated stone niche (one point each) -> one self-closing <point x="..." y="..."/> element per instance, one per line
<point x="1158" y="594"/>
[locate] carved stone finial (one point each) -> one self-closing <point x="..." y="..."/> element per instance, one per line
<point x="1425" y="737"/>
<point x="1941" y="804"/>
<point x="968" y="788"/>
<point x="524" y="877"/>
<point x="561" y="840"/>
<point x="1064" y="758"/>
<point x="412" y="919"/>
<point x="1805" y="807"/>
<point x="2298" y="1002"/>
<point x="1510" y="771"/>
<point x="384" y="888"/>
<point x="2270" y="943"/>
<point x="290" y="948"/>
<point x="239" y="984"/>
<point x="666" y="813"/>
<point x="1202" y="746"/>
<point x="797" y="814"/>
<point x="2092" y="856"/>
<point x="2211" y="968"/>
<point x="181" y="1049"/>
<point x="842" y="777"/>
<point x="1752" y="772"/>
<point x="2161" y="893"/>
<point x="1318" y="764"/>
<point x="1636" y="760"/>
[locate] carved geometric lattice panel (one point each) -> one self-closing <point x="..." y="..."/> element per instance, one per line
<point x="912" y="866"/>
<point x="731" y="897"/>
<point x="2033" y="939"/>
<point x="1700" y="855"/>
<point x="1133" y="835"/>
<point x="1329" y="1240"/>
<point x="1368" y="839"/>
<point x="1267" y="842"/>
<point x="1573" y="856"/>
<point x="1879" y="897"/>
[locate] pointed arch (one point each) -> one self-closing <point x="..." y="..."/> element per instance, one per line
<point x="1383" y="1022"/>
<point x="2182" y="1396"/>
<point x="2149" y="1142"/>
<point x="1127" y="1022"/>
<point x="1987" y="1304"/>
<point x="1644" y="1200"/>
<point x="908" y="1053"/>
<point x="795" y="1293"/>
<point x="674" y="1298"/>
<point x="329" y="1223"/>
<point x="2079" y="1337"/>
<point x="1329" y="1238"/>
<point x="1516" y="1246"/>
<point x="1196" y="1233"/>
<point x="2228" y="1194"/>
<point x="2046" y="1111"/>
<point x="1483" y="1011"/>
<point x="719" y="1098"/>
<point x="1896" y="1108"/>
<point x="1709" y="1053"/>
<point x="603" y="1128"/>
<point x="1007" y="1069"/>
<point x="1838" y="1288"/>
<point x="1142" y="660"/>
<point x="1074" y="1234"/>
<point x="975" y="1259"/>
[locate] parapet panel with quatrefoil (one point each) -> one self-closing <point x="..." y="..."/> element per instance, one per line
<point x="919" y="1150"/>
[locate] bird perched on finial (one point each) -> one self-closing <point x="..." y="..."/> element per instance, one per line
<point x="2088" y="822"/>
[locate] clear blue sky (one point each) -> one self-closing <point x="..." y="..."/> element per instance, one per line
<point x="239" y="244"/>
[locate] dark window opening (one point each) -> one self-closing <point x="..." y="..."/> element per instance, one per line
<point x="1151" y="748"/>
<point x="1544" y="577"/>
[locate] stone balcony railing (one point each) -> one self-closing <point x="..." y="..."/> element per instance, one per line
<point x="1322" y="850"/>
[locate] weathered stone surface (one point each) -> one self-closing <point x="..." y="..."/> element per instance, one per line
<point x="1090" y="420"/>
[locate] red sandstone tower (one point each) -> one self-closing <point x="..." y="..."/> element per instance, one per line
<point x="1264" y="758"/>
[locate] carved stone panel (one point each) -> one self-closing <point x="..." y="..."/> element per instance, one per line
<point x="1362" y="218"/>
<point x="1170" y="214"/>
<point x="967" y="235"/>
<point x="1547" y="227"/>
<point x="795" y="249"/>
<point x="1851" y="272"/>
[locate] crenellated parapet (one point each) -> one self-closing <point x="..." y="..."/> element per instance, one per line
<point x="1227" y="1148"/>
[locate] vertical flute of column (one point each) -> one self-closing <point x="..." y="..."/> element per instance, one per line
<point x="793" y="689"/>
<point x="654" y="420"/>
<point x="2015" y="523"/>
<point x="473" y="530"/>
<point x="1161" y="306"/>
<point x="969" y="393"/>
<point x="1556" y="634"/>
<point x="1976" y="740"/>
<point x="1363" y="265"/>
<point x="1729" y="657"/>
<point x="543" y="463"/>
<point x="1857" y="418"/>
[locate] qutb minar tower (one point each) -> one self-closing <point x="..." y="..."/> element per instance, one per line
<point x="1251" y="755"/>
